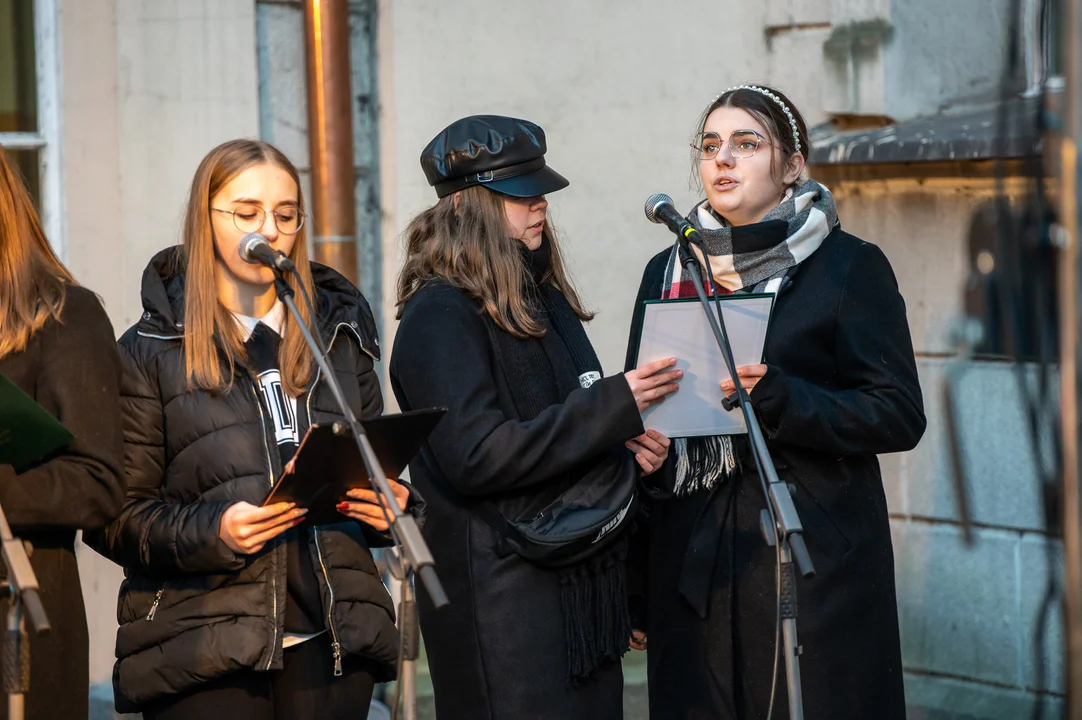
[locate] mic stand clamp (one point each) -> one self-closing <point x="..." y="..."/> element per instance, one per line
<point x="403" y="526"/>
<point x="780" y="523"/>
<point x="21" y="591"/>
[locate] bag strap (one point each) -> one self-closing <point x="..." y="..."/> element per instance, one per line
<point x="486" y="509"/>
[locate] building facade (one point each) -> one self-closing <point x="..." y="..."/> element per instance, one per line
<point x="108" y="106"/>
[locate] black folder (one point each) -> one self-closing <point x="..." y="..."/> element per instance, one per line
<point x="28" y="433"/>
<point x="328" y="462"/>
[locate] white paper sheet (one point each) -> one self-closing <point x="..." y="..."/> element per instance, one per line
<point x="679" y="328"/>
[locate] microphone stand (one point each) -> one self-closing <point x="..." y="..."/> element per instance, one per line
<point x="405" y="702"/>
<point x="415" y="556"/>
<point x="21" y="590"/>
<point x="779" y="522"/>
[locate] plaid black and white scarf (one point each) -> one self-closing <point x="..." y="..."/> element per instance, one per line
<point x="751" y="258"/>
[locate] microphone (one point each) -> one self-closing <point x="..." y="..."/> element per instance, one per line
<point x="255" y="249"/>
<point x="659" y="209"/>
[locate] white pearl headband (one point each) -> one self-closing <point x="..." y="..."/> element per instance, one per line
<point x="784" y="108"/>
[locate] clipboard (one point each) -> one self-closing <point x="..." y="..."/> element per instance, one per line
<point x="328" y="463"/>
<point x="28" y="433"/>
<point x="679" y="328"/>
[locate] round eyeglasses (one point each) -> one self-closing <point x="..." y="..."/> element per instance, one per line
<point x="742" y="144"/>
<point x="250" y="218"/>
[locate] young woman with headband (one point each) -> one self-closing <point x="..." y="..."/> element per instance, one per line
<point x="838" y="386"/>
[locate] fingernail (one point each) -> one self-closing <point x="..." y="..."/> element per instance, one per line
<point x="298" y="521"/>
<point x="342" y="506"/>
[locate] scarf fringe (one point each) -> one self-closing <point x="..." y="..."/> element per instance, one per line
<point x="597" y="623"/>
<point x="701" y="463"/>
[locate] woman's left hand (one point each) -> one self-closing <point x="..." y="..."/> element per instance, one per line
<point x="749" y="376"/>
<point x="365" y="507"/>
<point x="651" y="449"/>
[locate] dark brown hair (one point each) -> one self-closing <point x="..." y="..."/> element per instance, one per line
<point x="767" y="112"/>
<point x="33" y="281"/>
<point x="208" y="325"/>
<point x="470" y="247"/>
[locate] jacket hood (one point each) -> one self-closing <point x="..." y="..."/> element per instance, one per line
<point x="337" y="300"/>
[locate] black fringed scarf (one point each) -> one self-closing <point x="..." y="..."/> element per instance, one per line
<point x="542" y="372"/>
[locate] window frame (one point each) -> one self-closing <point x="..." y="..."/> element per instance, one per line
<point x="47" y="138"/>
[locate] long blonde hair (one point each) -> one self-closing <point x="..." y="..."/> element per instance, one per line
<point x="209" y="328"/>
<point x="469" y="246"/>
<point x="33" y="281"/>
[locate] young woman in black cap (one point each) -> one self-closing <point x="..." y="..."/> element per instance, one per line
<point x="492" y="329"/>
<point x="838" y="387"/>
<point x="229" y="608"/>
<point x="57" y="346"/>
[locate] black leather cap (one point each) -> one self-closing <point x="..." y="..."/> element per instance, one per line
<point x="504" y="154"/>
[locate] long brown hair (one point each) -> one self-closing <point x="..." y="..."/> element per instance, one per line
<point x="33" y="281"/>
<point x="470" y="247"/>
<point x="209" y="328"/>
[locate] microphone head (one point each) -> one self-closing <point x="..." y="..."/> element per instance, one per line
<point x="247" y="243"/>
<point x="653" y="203"/>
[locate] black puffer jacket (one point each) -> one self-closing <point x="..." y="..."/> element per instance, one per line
<point x="190" y="610"/>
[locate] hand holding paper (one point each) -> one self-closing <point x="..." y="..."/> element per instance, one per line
<point x="678" y="328"/>
<point x="749" y="375"/>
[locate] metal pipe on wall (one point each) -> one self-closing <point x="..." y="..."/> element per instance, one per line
<point x="1070" y="348"/>
<point x="330" y="135"/>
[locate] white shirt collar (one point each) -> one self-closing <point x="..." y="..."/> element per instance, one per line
<point x="274" y="319"/>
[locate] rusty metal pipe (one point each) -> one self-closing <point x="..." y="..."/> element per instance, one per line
<point x="330" y="135"/>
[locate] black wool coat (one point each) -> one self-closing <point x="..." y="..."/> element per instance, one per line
<point x="70" y="368"/>
<point x="841" y="388"/>
<point x="190" y="610"/>
<point x="498" y="651"/>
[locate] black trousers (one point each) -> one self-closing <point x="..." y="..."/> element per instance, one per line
<point x="304" y="689"/>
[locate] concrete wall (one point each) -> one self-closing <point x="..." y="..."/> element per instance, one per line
<point x="906" y="58"/>
<point x="968" y="614"/>
<point x="148" y="89"/>
<point x="617" y="87"/>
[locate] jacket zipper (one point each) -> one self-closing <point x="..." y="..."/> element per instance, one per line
<point x="157" y="599"/>
<point x="270" y="475"/>
<point x="336" y="648"/>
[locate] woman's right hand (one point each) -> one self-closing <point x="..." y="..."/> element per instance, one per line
<point x="246" y="528"/>
<point x="649" y="384"/>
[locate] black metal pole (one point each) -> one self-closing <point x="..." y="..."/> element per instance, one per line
<point x="787" y="529"/>
<point x="22" y="593"/>
<point x="404" y="528"/>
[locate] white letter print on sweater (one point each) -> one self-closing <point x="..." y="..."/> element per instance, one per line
<point x="283" y="409"/>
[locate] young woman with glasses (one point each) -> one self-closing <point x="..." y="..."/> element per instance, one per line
<point x="838" y="386"/>
<point x="230" y="608"/>
<point x="58" y="347"/>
